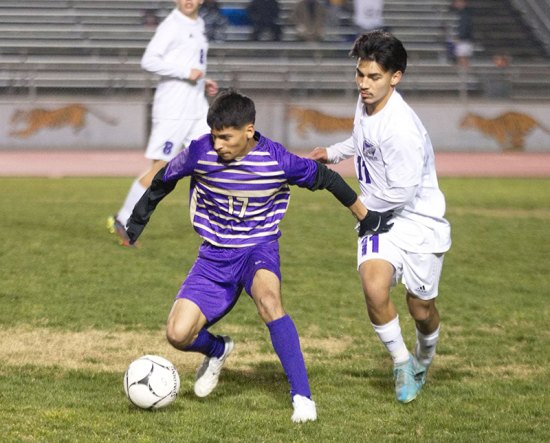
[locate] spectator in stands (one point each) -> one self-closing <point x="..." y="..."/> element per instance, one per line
<point x="338" y="14"/>
<point x="464" y="41"/>
<point x="498" y="83"/>
<point x="340" y="4"/>
<point x="368" y="15"/>
<point x="149" y="17"/>
<point x="214" y="21"/>
<point x="264" y="16"/>
<point x="177" y="53"/>
<point x="309" y="18"/>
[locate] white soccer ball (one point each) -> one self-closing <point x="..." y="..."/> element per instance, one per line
<point x="151" y="382"/>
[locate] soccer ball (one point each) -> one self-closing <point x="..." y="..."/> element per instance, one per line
<point x="151" y="382"/>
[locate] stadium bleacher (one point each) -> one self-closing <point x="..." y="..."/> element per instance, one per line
<point x="97" y="45"/>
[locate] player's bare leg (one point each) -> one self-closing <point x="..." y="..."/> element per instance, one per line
<point x="147" y="177"/>
<point x="376" y="279"/>
<point x="185" y="331"/>
<point x="266" y="292"/>
<point x="185" y="321"/>
<point x="426" y="317"/>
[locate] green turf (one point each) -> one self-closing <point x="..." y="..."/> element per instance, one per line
<point x="64" y="278"/>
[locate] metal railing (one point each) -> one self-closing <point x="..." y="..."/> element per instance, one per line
<point x="537" y="14"/>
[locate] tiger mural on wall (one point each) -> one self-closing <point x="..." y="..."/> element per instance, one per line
<point x="313" y="120"/>
<point x="29" y="122"/>
<point x="508" y="129"/>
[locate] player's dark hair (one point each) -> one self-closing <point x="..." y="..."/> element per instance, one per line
<point x="231" y="109"/>
<point x="383" y="48"/>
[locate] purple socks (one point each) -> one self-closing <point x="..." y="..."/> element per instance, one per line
<point x="207" y="344"/>
<point x="286" y="343"/>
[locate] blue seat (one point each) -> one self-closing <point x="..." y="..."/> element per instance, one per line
<point x="236" y="16"/>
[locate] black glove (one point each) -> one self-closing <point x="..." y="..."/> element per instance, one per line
<point x="134" y="229"/>
<point x="375" y="223"/>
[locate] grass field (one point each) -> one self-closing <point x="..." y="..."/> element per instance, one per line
<point x="75" y="309"/>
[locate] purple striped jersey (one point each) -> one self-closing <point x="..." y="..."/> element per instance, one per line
<point x="240" y="203"/>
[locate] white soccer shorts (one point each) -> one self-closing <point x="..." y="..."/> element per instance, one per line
<point x="464" y="48"/>
<point x="169" y="137"/>
<point x="419" y="272"/>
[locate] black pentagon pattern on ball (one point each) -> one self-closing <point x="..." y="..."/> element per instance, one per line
<point x="145" y="381"/>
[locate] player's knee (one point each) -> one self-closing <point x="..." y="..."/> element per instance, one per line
<point x="269" y="306"/>
<point x="375" y="288"/>
<point x="377" y="296"/>
<point x="178" y="336"/>
<point x="421" y="310"/>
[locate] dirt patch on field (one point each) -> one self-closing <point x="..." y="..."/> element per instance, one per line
<point x="92" y="349"/>
<point x="510" y="371"/>
<point x="113" y="351"/>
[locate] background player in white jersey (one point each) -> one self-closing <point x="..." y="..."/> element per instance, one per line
<point x="394" y="162"/>
<point x="177" y="52"/>
<point x="239" y="193"/>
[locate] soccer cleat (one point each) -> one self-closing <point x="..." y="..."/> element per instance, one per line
<point x="407" y="385"/>
<point x="423" y="366"/>
<point x="209" y="371"/>
<point x="116" y="227"/>
<point x="304" y="409"/>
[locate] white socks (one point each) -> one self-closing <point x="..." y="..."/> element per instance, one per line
<point x="134" y="194"/>
<point x="390" y="335"/>
<point x="425" y="346"/>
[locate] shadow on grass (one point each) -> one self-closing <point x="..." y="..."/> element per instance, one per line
<point x="268" y="377"/>
<point x="381" y="378"/>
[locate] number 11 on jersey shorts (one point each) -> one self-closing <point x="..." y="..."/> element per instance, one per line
<point x="419" y="272"/>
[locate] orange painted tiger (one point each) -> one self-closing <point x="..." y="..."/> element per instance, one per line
<point x="310" y="119"/>
<point x="73" y="115"/>
<point x="508" y="129"/>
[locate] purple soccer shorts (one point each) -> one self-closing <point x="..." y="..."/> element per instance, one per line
<point x="219" y="275"/>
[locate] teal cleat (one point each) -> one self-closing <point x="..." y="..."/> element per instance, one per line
<point x="423" y="366"/>
<point x="421" y="374"/>
<point x="408" y="379"/>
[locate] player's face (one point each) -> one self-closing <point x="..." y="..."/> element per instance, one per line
<point x="375" y="85"/>
<point x="232" y="143"/>
<point x="189" y="8"/>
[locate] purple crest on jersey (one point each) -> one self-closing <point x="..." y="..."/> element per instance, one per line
<point x="369" y="149"/>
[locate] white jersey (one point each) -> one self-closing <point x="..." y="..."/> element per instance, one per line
<point x="179" y="44"/>
<point x="394" y="163"/>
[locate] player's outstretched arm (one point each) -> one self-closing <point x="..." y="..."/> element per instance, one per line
<point x="210" y="87"/>
<point x="370" y="222"/>
<point x="319" y="154"/>
<point x="147" y="203"/>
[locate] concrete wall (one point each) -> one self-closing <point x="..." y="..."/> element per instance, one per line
<point x="485" y="126"/>
<point x="118" y="123"/>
